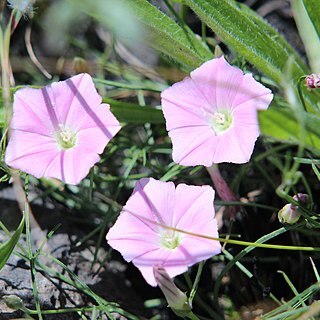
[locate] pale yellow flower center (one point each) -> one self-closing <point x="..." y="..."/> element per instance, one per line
<point x="66" y="138"/>
<point x="221" y="121"/>
<point x="170" y="239"/>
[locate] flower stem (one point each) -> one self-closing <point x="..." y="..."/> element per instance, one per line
<point x="223" y="190"/>
<point x="192" y="316"/>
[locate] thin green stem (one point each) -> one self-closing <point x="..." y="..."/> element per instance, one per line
<point x="196" y="282"/>
<point x="245" y="251"/>
<point x="141" y="86"/>
<point x="192" y="316"/>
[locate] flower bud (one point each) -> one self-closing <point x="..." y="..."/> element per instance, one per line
<point x="13" y="302"/>
<point x="80" y="65"/>
<point x="177" y="300"/>
<point x="289" y="214"/>
<point x="23" y="6"/>
<point x="313" y="81"/>
<point x="301" y="197"/>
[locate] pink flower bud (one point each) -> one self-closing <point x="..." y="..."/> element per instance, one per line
<point x="177" y="300"/>
<point x="313" y="81"/>
<point x="289" y="214"/>
<point x="301" y="197"/>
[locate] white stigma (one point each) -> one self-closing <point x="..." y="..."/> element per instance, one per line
<point x="66" y="136"/>
<point x="219" y="118"/>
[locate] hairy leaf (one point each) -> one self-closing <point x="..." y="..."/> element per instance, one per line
<point x="164" y="34"/>
<point x="313" y="9"/>
<point x="249" y="35"/>
<point x="281" y="124"/>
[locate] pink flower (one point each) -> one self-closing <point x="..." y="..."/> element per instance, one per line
<point x="211" y="116"/>
<point x="140" y="238"/>
<point x="59" y="130"/>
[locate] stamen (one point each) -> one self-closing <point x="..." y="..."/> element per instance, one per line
<point x="170" y="239"/>
<point x="221" y="121"/>
<point x="66" y="138"/>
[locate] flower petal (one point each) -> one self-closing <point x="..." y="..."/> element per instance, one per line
<point x="191" y="206"/>
<point x="193" y="145"/>
<point x="73" y="99"/>
<point x="153" y="200"/>
<point x="181" y="117"/>
<point x="98" y="130"/>
<point x="186" y="95"/>
<point x="252" y="90"/>
<point x="132" y="236"/>
<point x="30" y="112"/>
<point x="218" y="81"/>
<point x="26" y="150"/>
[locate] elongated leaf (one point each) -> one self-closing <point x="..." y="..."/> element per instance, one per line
<point x="132" y="113"/>
<point x="313" y="9"/>
<point x="7" y="247"/>
<point x="156" y="29"/>
<point x="251" y="37"/>
<point x="308" y="32"/>
<point x="281" y="124"/>
<point x="165" y="35"/>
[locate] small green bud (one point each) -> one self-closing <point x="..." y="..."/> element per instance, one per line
<point x="13" y="302"/>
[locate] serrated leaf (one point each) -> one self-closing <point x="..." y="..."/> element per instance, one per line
<point x="7" y="247"/>
<point x="282" y="125"/>
<point x="251" y="37"/>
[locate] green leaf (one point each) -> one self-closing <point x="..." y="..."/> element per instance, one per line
<point x="164" y="34"/>
<point x="281" y="124"/>
<point x="307" y="30"/>
<point x="250" y="36"/>
<point x="313" y="9"/>
<point x="7" y="247"/>
<point x="132" y="113"/>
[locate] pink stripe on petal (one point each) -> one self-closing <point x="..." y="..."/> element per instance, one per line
<point x="192" y="145"/>
<point x="187" y="95"/>
<point x="250" y="89"/>
<point x="86" y="98"/>
<point x="129" y="225"/>
<point x="152" y="199"/>
<point x="27" y="143"/>
<point x="133" y="248"/>
<point x="191" y="206"/>
<point x="28" y="116"/>
<point x="228" y="149"/>
<point x="182" y="117"/>
<point x="201" y="249"/>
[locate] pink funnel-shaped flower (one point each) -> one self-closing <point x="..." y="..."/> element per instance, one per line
<point x="212" y="116"/>
<point x="59" y="130"/>
<point x="138" y="236"/>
